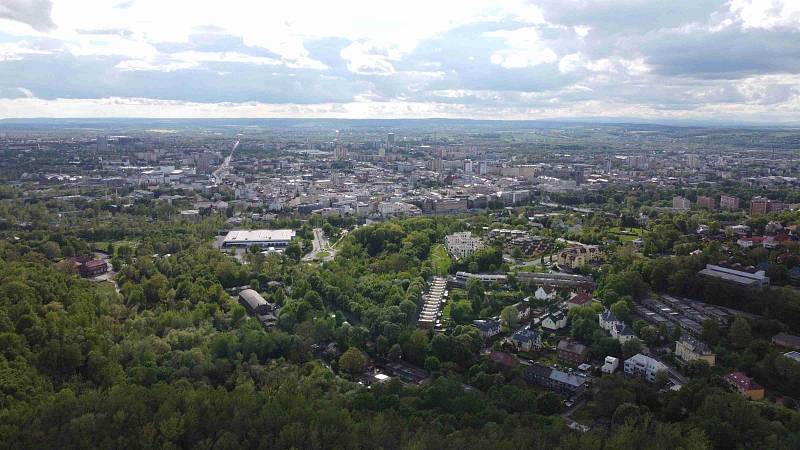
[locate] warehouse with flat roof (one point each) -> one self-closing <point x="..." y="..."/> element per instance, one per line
<point x="264" y="238"/>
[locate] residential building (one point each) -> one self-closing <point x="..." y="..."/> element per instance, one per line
<point x="610" y="364"/>
<point x="545" y="293"/>
<point x="571" y="352"/>
<point x="462" y="245"/>
<point x="745" y="385"/>
<point x="690" y="349"/>
<point x="763" y="205"/>
<point x="559" y="381"/>
<point x="681" y="204"/>
<point x="93" y="268"/>
<point x="607" y="320"/>
<point x="705" y="202"/>
<point x="579" y="300"/>
<point x="728" y="203"/>
<point x="526" y="340"/>
<point x="644" y="367"/>
<point x="578" y="256"/>
<point x="488" y="328"/>
<point x="554" y="321"/>
<point x="460" y="279"/>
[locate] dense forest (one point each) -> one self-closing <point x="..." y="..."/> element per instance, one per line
<point x="171" y="360"/>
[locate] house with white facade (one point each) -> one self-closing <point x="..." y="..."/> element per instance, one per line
<point x="644" y="367"/>
<point x="554" y="321"/>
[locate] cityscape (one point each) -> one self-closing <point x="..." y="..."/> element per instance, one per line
<point x="516" y="225"/>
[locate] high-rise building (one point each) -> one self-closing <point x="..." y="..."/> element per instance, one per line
<point x="759" y="205"/>
<point x="728" y="202"/>
<point x="203" y="163"/>
<point x="468" y="165"/>
<point x="692" y="161"/>
<point x="102" y="143"/>
<point x="341" y="152"/>
<point x="579" y="175"/>
<point x="390" y="139"/>
<point x="681" y="203"/>
<point x="705" y="202"/>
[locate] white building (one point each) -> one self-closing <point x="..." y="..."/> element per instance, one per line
<point x="643" y="367"/>
<point x="610" y="365"/>
<point x="554" y="321"/>
<point x="264" y="238"/>
<point x="462" y="245"/>
<point x="615" y="327"/>
<point x="396" y="208"/>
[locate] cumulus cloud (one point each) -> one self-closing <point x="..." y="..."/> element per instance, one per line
<point x="454" y="58"/>
<point x="35" y="13"/>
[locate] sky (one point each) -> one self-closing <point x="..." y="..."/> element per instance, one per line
<point x="656" y="60"/>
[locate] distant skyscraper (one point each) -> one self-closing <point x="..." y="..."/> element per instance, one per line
<point x="579" y="175"/>
<point x="203" y="163"/>
<point x="692" y="161"/>
<point x="102" y="143"/>
<point x="468" y="165"/>
<point x="390" y="139"/>
<point x="341" y="152"/>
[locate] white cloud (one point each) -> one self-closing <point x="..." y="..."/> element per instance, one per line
<point x="767" y="13"/>
<point x="524" y="49"/>
<point x="369" y="59"/>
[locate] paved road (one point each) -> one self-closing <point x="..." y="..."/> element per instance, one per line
<point x="321" y="244"/>
<point x="223" y="168"/>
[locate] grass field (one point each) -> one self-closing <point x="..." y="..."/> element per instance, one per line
<point x="440" y="260"/>
<point x="626" y="234"/>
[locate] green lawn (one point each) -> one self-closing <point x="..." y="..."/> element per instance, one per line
<point x="440" y="260"/>
<point x="626" y="234"/>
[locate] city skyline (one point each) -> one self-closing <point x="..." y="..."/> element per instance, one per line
<point x="713" y="61"/>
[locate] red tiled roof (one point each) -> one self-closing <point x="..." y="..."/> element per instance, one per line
<point x="581" y="299"/>
<point x="742" y="381"/>
<point x="503" y="359"/>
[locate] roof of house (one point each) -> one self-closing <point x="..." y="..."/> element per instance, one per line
<point x="525" y="335"/>
<point x="742" y="381"/>
<point x="608" y="316"/>
<point x="623" y="330"/>
<point x="486" y="325"/>
<point x="94" y="263"/>
<point x="567" y="378"/>
<point x="571" y="346"/>
<point x="695" y="345"/>
<point x="538" y="370"/>
<point x="503" y="359"/>
<point x="253" y="298"/>
<point x="581" y="299"/>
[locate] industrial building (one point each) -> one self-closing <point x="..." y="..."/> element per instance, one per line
<point x="263" y="238"/>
